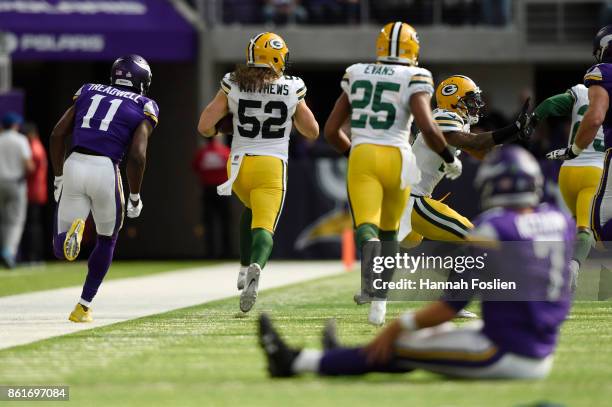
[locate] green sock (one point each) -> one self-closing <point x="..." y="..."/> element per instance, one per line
<point x="261" y="246"/>
<point x="583" y="244"/>
<point x="389" y="248"/>
<point x="364" y="233"/>
<point x="245" y="237"/>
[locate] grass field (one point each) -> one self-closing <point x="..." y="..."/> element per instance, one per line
<point x="63" y="274"/>
<point x="207" y="356"/>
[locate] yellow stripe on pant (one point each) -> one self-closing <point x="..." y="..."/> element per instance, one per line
<point x="436" y="221"/>
<point x="261" y="186"/>
<point x="578" y="186"/>
<point x="373" y="180"/>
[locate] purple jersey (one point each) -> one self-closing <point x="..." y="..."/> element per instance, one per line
<point x="601" y="74"/>
<point x="107" y="116"/>
<point x="529" y="328"/>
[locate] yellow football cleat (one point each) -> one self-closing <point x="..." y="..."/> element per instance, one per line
<point x="72" y="243"/>
<point x="80" y="314"/>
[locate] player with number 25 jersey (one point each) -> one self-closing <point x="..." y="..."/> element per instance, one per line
<point x="107" y="122"/>
<point x="265" y="104"/>
<point x="380" y="100"/>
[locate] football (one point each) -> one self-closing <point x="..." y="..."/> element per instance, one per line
<point x="225" y="125"/>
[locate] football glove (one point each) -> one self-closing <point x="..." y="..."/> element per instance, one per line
<point x="562" y="154"/>
<point x="58" y="184"/>
<point x="453" y="170"/>
<point x="530" y="126"/>
<point x="134" y="206"/>
<point x="523" y="122"/>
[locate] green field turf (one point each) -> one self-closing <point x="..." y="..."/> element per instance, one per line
<point x="207" y="356"/>
<point x="64" y="274"/>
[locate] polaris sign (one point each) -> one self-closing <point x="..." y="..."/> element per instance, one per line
<point x="54" y="42"/>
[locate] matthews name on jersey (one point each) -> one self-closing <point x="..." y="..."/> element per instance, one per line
<point x="429" y="162"/>
<point x="593" y="155"/>
<point x="107" y="116"/>
<point x="380" y="97"/>
<point x="263" y="117"/>
<point x="601" y="74"/>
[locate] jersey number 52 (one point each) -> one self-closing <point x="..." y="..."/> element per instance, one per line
<point x="250" y="126"/>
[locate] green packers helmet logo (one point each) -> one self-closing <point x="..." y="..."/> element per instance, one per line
<point x="449" y="89"/>
<point x="276" y="43"/>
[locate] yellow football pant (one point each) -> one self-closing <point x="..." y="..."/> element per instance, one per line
<point x="374" y="192"/>
<point x="261" y="186"/>
<point x="437" y="221"/>
<point x="578" y="186"/>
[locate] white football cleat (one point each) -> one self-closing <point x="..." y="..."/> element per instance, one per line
<point x="242" y="277"/>
<point x="249" y="294"/>
<point x="574" y="267"/>
<point x="463" y="313"/>
<point x="378" y="310"/>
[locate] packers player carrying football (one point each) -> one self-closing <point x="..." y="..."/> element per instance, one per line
<point x="381" y="100"/>
<point x="578" y="178"/>
<point x="264" y="103"/>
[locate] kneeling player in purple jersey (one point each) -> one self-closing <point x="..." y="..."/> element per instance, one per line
<point x="107" y="123"/>
<point x="515" y="340"/>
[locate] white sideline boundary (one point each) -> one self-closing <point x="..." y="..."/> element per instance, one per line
<point x="31" y="317"/>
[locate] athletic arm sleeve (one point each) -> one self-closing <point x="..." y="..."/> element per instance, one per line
<point x="558" y="105"/>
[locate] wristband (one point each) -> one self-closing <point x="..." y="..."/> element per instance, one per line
<point x="134" y="197"/>
<point x="504" y="134"/>
<point x="446" y="155"/>
<point x="347" y="152"/>
<point x="408" y="322"/>
<point x="576" y="150"/>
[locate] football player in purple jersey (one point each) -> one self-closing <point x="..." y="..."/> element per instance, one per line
<point x="108" y="123"/>
<point x="599" y="81"/>
<point x="515" y="339"/>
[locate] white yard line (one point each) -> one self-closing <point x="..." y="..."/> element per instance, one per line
<point x="31" y="317"/>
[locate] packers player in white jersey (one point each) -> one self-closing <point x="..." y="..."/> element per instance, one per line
<point x="264" y="103"/>
<point x="459" y="104"/>
<point x="381" y="99"/>
<point x="578" y="178"/>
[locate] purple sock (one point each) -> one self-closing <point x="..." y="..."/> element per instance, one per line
<point x="606" y="231"/>
<point x="58" y="245"/>
<point x="352" y="361"/>
<point x="99" y="262"/>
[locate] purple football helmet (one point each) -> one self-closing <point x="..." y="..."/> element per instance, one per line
<point x="602" y="45"/>
<point x="132" y="71"/>
<point x="509" y="176"/>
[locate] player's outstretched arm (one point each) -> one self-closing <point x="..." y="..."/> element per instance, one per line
<point x="215" y="111"/>
<point x="305" y="122"/>
<point x="57" y="142"/>
<point x="333" y="126"/>
<point x="476" y="144"/>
